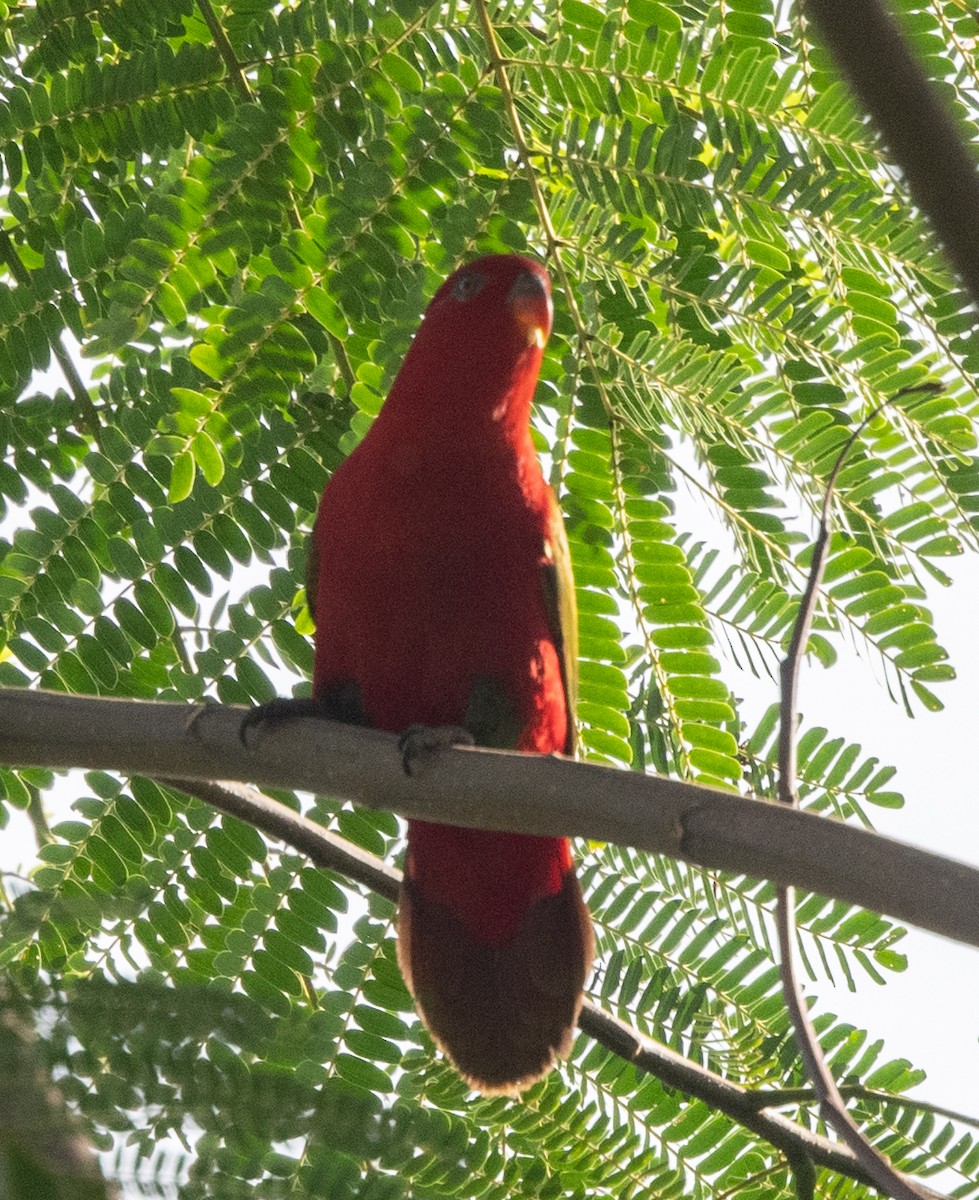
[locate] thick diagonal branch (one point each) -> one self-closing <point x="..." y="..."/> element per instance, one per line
<point x="328" y="850"/>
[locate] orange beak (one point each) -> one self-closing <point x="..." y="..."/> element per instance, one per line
<point x="530" y="301"/>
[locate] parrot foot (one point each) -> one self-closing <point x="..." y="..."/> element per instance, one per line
<point x="421" y="744"/>
<point x="283" y="709"/>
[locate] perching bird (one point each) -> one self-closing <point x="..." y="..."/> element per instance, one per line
<point x="440" y="585"/>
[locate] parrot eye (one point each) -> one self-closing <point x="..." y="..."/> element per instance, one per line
<point x="466" y="286"/>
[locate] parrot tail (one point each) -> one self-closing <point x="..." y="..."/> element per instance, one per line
<point x="502" y="1013"/>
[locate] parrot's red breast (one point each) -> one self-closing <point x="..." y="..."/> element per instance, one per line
<point x="441" y="593"/>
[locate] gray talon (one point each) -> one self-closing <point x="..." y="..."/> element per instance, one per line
<point x="421" y="744"/>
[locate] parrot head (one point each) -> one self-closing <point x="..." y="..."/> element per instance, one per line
<point x="499" y="304"/>
<point x="477" y="352"/>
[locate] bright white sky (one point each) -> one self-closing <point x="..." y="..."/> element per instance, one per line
<point x="929" y="1013"/>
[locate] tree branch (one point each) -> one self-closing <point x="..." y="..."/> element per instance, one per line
<point x="800" y="1146"/>
<point x="492" y="789"/>
<point x="763" y="1098"/>
<point x="920" y="132"/>
<point x="321" y="847"/>
<point x="88" y="417"/>
<point x="833" y="1108"/>
<point x="225" y="49"/>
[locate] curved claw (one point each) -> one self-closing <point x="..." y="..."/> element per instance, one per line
<point x="420" y="744"/>
<point x="282" y="708"/>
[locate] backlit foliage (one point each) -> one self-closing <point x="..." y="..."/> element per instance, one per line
<point x="241" y="233"/>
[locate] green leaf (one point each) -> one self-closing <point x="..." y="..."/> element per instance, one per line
<point x="651" y="13"/>
<point x="401" y="73"/>
<point x="182" y="477"/>
<point x="738" y="279"/>
<point x="208" y="458"/>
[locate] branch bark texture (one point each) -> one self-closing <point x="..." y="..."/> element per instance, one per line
<point x="489" y="789"/>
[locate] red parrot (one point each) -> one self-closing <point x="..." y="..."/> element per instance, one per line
<point x="441" y="589"/>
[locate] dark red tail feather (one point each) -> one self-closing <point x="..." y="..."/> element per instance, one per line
<point x="502" y="1013"/>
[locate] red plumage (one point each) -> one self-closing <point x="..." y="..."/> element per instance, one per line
<point x="438" y="598"/>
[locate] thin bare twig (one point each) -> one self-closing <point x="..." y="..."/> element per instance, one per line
<point x="226" y="50"/>
<point x="884" y="1175"/>
<point x="498" y="65"/>
<point x="88" y="417"/>
<point x="800" y="1146"/>
<point x="321" y="847"/>
<point x="779" y="1097"/>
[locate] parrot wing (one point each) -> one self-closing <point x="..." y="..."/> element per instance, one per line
<point x="557" y="582"/>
